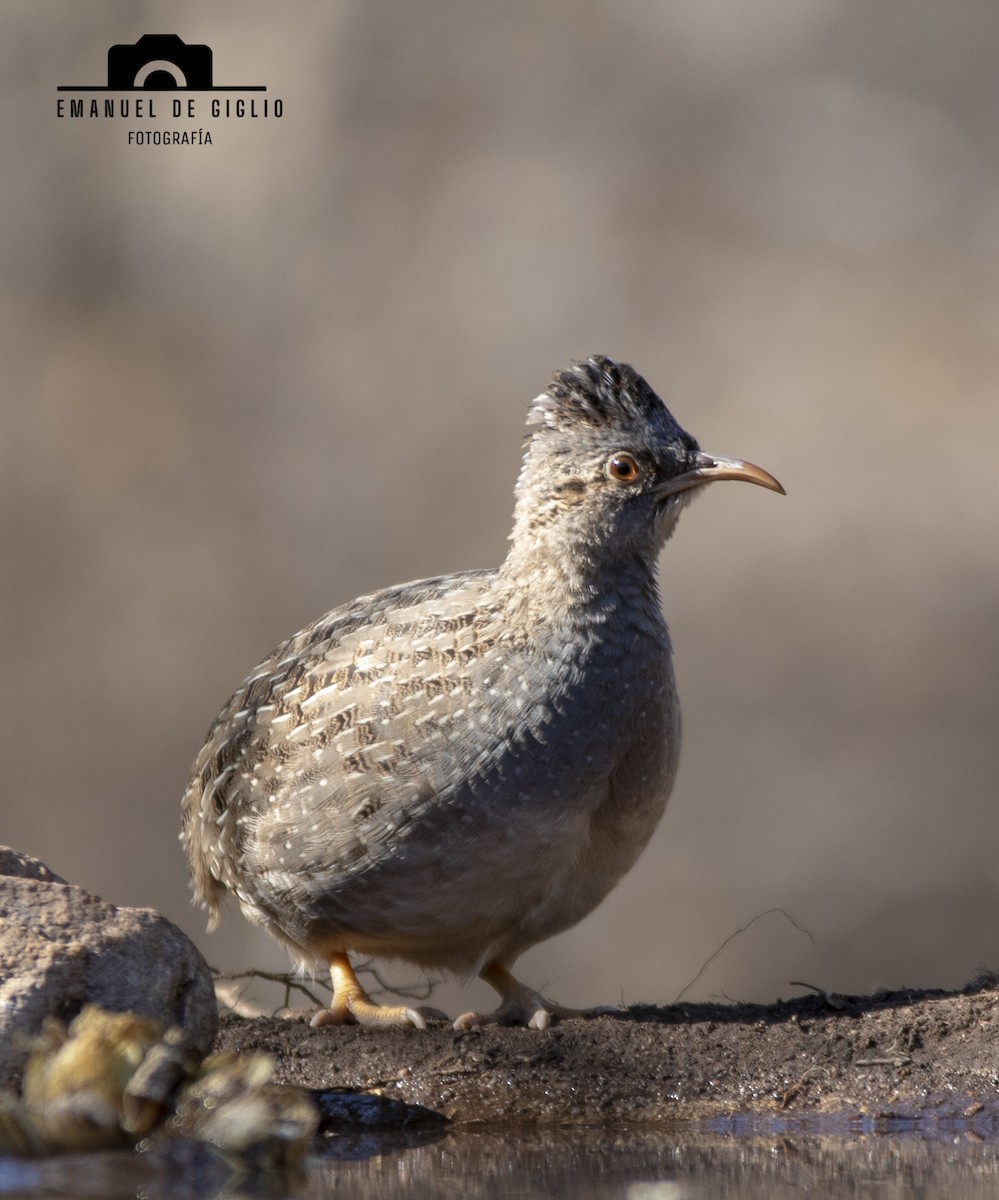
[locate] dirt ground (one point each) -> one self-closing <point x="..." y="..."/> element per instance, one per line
<point x="920" y="1055"/>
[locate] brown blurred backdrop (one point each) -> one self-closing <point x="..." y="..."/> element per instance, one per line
<point x="244" y="383"/>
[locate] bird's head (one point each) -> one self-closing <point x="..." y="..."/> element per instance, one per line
<point x="607" y="469"/>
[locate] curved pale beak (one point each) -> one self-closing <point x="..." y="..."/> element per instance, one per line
<point x="710" y="467"/>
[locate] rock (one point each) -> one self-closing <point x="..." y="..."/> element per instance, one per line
<point x="61" y="947"/>
<point x="339" y="1109"/>
<point x="75" y="1079"/>
<point x="112" y="1078"/>
<point x="232" y="1104"/>
<point x="23" y="866"/>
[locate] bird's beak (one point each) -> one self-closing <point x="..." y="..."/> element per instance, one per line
<point x="710" y="467"/>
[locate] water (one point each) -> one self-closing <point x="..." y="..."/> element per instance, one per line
<point x="600" y="1164"/>
<point x="596" y="1163"/>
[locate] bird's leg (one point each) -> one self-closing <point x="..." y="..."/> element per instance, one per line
<point x="519" y="1004"/>
<point x="353" y="1006"/>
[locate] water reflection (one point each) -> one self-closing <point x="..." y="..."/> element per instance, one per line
<point x="598" y="1164"/>
<point x="588" y="1164"/>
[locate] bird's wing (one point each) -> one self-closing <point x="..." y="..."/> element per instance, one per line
<point x="343" y="733"/>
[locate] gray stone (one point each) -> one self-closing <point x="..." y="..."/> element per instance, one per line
<point x="23" y="866"/>
<point x="62" y="947"/>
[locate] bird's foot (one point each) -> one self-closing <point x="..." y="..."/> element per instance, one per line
<point x="353" y="1006"/>
<point x="521" y="1005"/>
<point x="363" y="1011"/>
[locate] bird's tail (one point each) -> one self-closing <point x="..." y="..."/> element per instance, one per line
<point x="208" y="889"/>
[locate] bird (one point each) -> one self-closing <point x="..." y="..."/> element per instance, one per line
<point x="450" y="771"/>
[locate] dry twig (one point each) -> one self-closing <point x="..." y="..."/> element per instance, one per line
<point x="731" y="937"/>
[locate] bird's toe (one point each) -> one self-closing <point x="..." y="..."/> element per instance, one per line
<point x="362" y="1012"/>
<point x="338" y="1014"/>
<point x="523" y="1006"/>
<point x="536" y="1013"/>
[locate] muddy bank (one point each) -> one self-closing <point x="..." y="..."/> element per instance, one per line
<point x="920" y="1054"/>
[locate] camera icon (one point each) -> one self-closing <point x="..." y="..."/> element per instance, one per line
<point x="156" y="61"/>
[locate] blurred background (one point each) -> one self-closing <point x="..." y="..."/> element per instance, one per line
<point x="244" y="383"/>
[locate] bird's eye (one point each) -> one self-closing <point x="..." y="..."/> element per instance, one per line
<point x="624" y="469"/>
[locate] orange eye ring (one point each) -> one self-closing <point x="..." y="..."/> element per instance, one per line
<point x="623" y="468"/>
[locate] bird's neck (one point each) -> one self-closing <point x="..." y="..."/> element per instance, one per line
<point x="578" y="584"/>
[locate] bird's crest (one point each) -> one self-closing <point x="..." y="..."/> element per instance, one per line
<point x="597" y="391"/>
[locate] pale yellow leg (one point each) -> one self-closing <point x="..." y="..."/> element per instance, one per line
<point x="519" y="1004"/>
<point x="353" y="1006"/>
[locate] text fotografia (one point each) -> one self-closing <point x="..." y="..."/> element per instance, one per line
<point x="170" y="137"/>
<point x="152" y="108"/>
